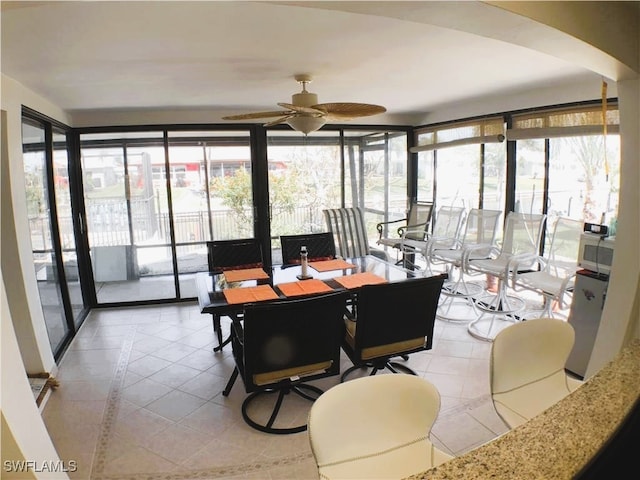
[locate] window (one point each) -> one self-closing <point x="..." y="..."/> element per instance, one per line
<point x="578" y="150"/>
<point x="466" y="161"/>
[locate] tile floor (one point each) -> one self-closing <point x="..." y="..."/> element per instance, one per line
<point x="140" y="397"/>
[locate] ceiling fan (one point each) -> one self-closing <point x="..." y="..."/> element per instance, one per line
<point x="304" y="113"/>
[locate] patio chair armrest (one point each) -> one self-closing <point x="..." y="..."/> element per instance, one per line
<point x="439" y="242"/>
<point x="565" y="286"/>
<point x="418" y="228"/>
<point x="409" y="229"/>
<point x="379" y="226"/>
<point x="519" y="262"/>
<point x="468" y="250"/>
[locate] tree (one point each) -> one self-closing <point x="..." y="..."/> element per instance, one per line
<point x="589" y="152"/>
<point x="235" y="193"/>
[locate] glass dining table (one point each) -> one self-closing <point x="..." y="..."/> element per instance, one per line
<point x="226" y="293"/>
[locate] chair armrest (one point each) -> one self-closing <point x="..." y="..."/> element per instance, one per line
<point x="439" y="242"/>
<point x="565" y="285"/>
<point x="379" y="226"/>
<point x="408" y="229"/>
<point x="468" y="250"/>
<point x="517" y="262"/>
<point x="531" y="261"/>
<point x="417" y="228"/>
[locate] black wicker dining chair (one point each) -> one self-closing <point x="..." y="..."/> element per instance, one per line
<point x="279" y="347"/>
<point x="392" y="320"/>
<point x="320" y="246"/>
<point x="233" y="254"/>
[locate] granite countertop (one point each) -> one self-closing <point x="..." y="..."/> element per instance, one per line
<point x="560" y="441"/>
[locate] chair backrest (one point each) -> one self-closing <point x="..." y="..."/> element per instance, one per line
<point x="234" y="254"/>
<point x="349" y="231"/>
<point x="286" y="339"/>
<point x="528" y="351"/>
<point x="419" y="216"/>
<point x="522" y="233"/>
<point x="447" y="226"/>
<point x="375" y="427"/>
<point x="390" y="313"/>
<point x="320" y="246"/>
<point x="526" y="368"/>
<point x="448" y="222"/>
<point x="481" y="227"/>
<point x="562" y="255"/>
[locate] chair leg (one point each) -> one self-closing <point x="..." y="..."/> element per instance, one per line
<point x="344" y="375"/>
<point x="267" y="427"/>
<point x="375" y="367"/>
<point x="230" y="383"/>
<point x="399" y="368"/>
<point x="217" y="328"/>
<point x="457" y="292"/>
<point x="496" y="314"/>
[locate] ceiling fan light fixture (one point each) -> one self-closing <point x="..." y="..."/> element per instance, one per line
<point x="306" y="123"/>
<point x="304" y="113"/>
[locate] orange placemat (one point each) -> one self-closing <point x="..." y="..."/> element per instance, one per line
<point x="250" y="294"/>
<point x="328" y="265"/>
<point x="304" y="287"/>
<point x="359" y="279"/>
<point x="245" y="274"/>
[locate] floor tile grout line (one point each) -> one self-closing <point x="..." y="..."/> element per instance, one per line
<point x="213" y="472"/>
<point x="112" y="406"/>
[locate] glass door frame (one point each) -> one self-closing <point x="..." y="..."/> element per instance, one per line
<point x="72" y="322"/>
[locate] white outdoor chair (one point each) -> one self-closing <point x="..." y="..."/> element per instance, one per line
<point x="521" y="242"/>
<point x="481" y="229"/>
<point x="554" y="273"/>
<point x="446" y="230"/>
<point x="417" y="221"/>
<point x="350" y="233"/>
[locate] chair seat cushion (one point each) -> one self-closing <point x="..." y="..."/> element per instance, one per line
<point x="277" y="375"/>
<point x="378" y="351"/>
<point x="414" y="244"/>
<point x="397" y="463"/>
<point x="493" y="266"/>
<point x="542" y="281"/>
<point x="455" y="255"/>
<point x="390" y="242"/>
<point x="451" y="256"/>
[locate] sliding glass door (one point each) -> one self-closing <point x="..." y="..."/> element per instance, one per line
<point x="51" y="226"/>
<point x="153" y="199"/>
<point x="125" y="191"/>
<point x="211" y="196"/>
<point x="304" y="179"/>
<point x="376" y="167"/>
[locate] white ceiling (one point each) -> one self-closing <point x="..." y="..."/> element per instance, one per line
<point x="239" y="57"/>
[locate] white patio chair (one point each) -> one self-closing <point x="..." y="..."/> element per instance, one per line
<point x="554" y="273"/>
<point x="520" y="246"/>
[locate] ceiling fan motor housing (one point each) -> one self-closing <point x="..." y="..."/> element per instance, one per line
<point x="304" y="99"/>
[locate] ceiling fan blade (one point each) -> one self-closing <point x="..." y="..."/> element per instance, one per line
<point x="300" y="109"/>
<point x="248" y="116"/>
<point x="346" y="110"/>
<point x="278" y="121"/>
